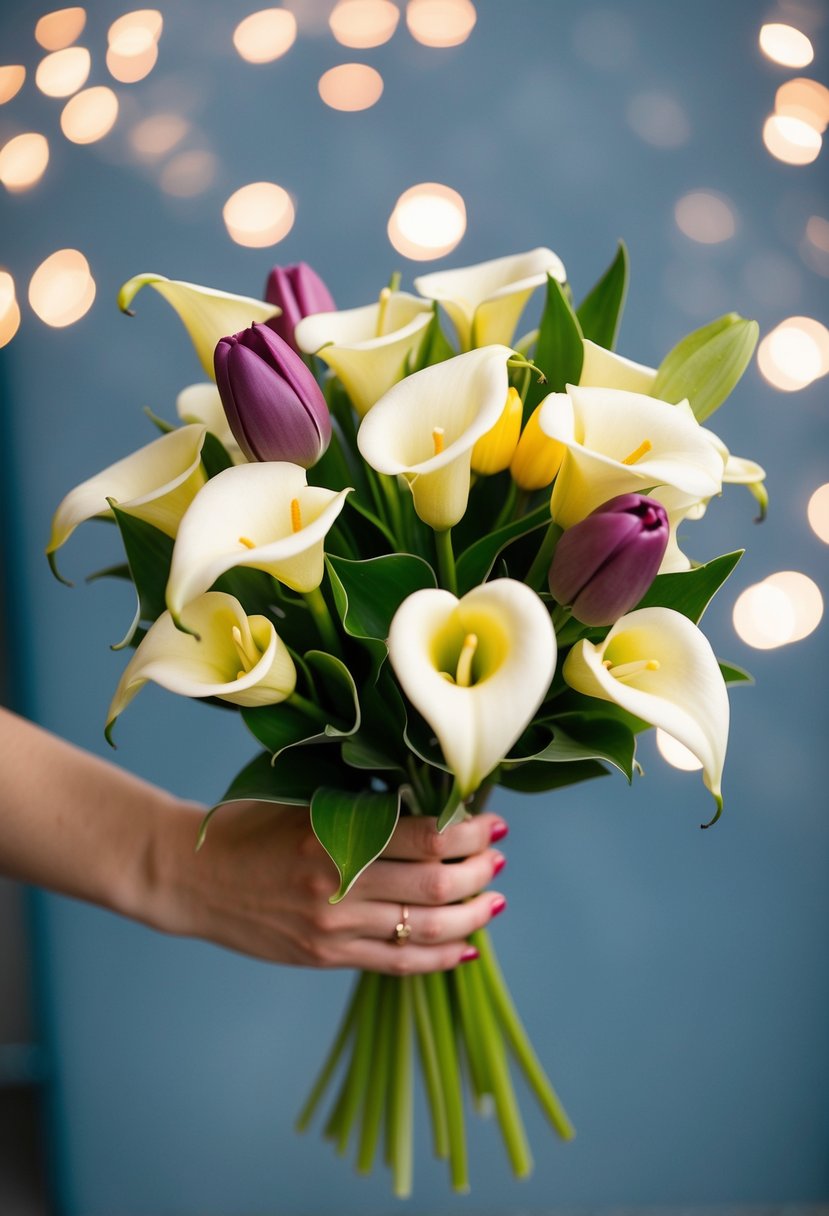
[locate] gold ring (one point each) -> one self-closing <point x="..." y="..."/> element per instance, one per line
<point x="402" y="930"/>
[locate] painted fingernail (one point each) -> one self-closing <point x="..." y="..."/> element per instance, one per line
<point x="500" y="862"/>
<point x="497" y="906"/>
<point x="499" y="831"/>
<point x="469" y="955"/>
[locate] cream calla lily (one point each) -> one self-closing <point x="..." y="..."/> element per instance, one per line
<point x="202" y="403"/>
<point x="262" y="515"/>
<point x="476" y="668"/>
<point x="425" y="428"/>
<point x="368" y="347"/>
<point x="485" y="302"/>
<point x="207" y="314"/>
<point x="620" y="442"/>
<point x="659" y="666"/>
<point x="157" y="483"/>
<point x="605" y="369"/>
<point x="235" y="657"/>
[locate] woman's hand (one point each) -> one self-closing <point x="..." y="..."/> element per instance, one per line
<point x="261" y="883"/>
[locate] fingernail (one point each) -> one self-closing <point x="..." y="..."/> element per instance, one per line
<point x="497" y="906"/>
<point x="500" y="862"/>
<point x="469" y="955"/>
<point x="499" y="831"/>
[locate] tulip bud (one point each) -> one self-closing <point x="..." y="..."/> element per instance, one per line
<point x="274" y="406"/>
<point x="604" y="564"/>
<point x="494" y="450"/>
<point x="299" y="292"/>
<point x="537" y="458"/>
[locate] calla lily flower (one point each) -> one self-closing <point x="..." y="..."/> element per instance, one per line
<point x="157" y="484"/>
<point x="620" y="442"/>
<point x="206" y="314"/>
<point x="201" y="403"/>
<point x="369" y="348"/>
<point x="485" y="302"/>
<point x="660" y="667"/>
<point x="261" y="515"/>
<point x="605" y="369"/>
<point x="426" y="427"/>
<point x="235" y="657"/>
<point x="476" y="668"/>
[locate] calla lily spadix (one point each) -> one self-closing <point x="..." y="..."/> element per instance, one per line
<point x="485" y="302"/>
<point x="207" y="314"/>
<point x="476" y="668"/>
<point x="368" y="347"/>
<point x="261" y="515"/>
<point x="620" y="442"/>
<point x="426" y="427"/>
<point x="659" y="666"/>
<point x="202" y="403"/>
<point x="235" y="657"/>
<point x="157" y="484"/>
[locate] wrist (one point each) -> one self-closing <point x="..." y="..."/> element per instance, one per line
<point x="160" y="893"/>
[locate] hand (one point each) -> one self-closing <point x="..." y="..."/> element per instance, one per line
<point x="261" y="883"/>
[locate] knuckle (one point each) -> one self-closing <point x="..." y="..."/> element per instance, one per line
<point x="308" y="845"/>
<point x="433" y="842"/>
<point x="430" y="929"/>
<point x="401" y="963"/>
<point x="438" y="885"/>
<point x="319" y="884"/>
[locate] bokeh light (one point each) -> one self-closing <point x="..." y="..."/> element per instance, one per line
<point x="259" y="214"/>
<point x="157" y="134"/>
<point x="363" y="23"/>
<point x="89" y="115"/>
<point x="440" y="23"/>
<point x="659" y="120"/>
<point x="786" y="45"/>
<point x="794" y="353"/>
<point x="62" y="289"/>
<point x="805" y="99"/>
<point x="791" y="140"/>
<point x="817" y="232"/>
<point x="428" y="221"/>
<point x="57" y="30"/>
<point x="351" y="86"/>
<point x="818" y="513"/>
<point x="9" y="308"/>
<point x="135" y="31"/>
<point x="129" y="69"/>
<point x="676" y="753"/>
<point x="23" y="161"/>
<point x="805" y="598"/>
<point x="705" y="217"/>
<point x="63" y="72"/>
<point x="189" y="173"/>
<point x="264" y="36"/>
<point x="12" y="76"/>
<point x="785" y="607"/>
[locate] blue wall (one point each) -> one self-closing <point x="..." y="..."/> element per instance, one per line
<point x="676" y="981"/>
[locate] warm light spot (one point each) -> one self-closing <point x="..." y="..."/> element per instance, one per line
<point x="805" y="99"/>
<point x="705" y="217"/>
<point x="817" y="231"/>
<point x="62" y="289"/>
<point x="64" y="72"/>
<point x="676" y="753"/>
<point x="440" y="22"/>
<point x="428" y="221"/>
<point x="784" y="44"/>
<point x="60" y="29"/>
<point x="90" y="115"/>
<point x="9" y="308"/>
<point x="189" y="173"/>
<point x="129" y="69"/>
<point x="23" y="161"/>
<point x="351" y="86"/>
<point x="11" y="81"/>
<point x="364" y="23"/>
<point x="818" y="513"/>
<point x="763" y="617"/>
<point x="804" y="596"/>
<point x="158" y="134"/>
<point x="135" y="30"/>
<point x="659" y="120"/>
<point x="791" y="139"/>
<point x="264" y="36"/>
<point x="259" y="214"/>
<point x="794" y="353"/>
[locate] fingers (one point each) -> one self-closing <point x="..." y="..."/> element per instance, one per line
<point x="429" y="926"/>
<point x="416" y="838"/>
<point x="407" y="960"/>
<point x="428" y="882"/>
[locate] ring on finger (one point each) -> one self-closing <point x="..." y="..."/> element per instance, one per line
<point x="402" y="930"/>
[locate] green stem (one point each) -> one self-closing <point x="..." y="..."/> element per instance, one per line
<point x="391" y="493"/>
<point x="561" y="616"/>
<point x="538" y="570"/>
<point x="309" y="708"/>
<point x="470" y="1035"/>
<point x="446" y="560"/>
<point x="505" y="514"/>
<point x="324" y="621"/>
<point x="401" y="1115"/>
<point x="378" y="1078"/>
<point x="331" y="1061"/>
<point x="435" y="985"/>
<point x="361" y="1062"/>
<point x="431" y="1068"/>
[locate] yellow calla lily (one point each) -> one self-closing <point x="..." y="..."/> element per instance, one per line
<point x="202" y="403"/>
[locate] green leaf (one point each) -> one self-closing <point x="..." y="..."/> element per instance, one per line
<point x="600" y="313"/>
<point x="149" y="553"/>
<point x="435" y="347"/>
<point x="690" y="591"/>
<point x="570" y="737"/>
<point x="732" y="674"/>
<point x="559" y="350"/>
<point x="353" y="828"/>
<point x="706" y="365"/>
<point x="368" y="593"/>
<point x="476" y="562"/>
<point x="286" y="725"/>
<point x="535" y="777"/>
<point x="214" y="455"/>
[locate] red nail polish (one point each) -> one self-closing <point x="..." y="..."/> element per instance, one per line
<point x="500" y="862"/>
<point x="498" y="906"/>
<point x="469" y="955"/>
<point x="499" y="831"/>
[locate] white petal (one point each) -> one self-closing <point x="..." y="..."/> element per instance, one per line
<point x="605" y="369"/>
<point x="202" y="403"/>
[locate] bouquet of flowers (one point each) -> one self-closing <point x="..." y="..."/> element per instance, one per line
<point x="423" y="559"/>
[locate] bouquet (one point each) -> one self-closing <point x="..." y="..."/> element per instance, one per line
<point x="423" y="558"/>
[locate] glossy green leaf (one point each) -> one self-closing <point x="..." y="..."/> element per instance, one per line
<point x="536" y="777"/>
<point x="149" y="553"/>
<point x="600" y="313"/>
<point x="286" y="725"/>
<point x="559" y="350"/>
<point x="732" y="674"/>
<point x="368" y="593"/>
<point x="476" y="562"/>
<point x="353" y="828"/>
<point x="706" y="365"/>
<point x="214" y="455"/>
<point x="435" y="347"/>
<point x="571" y="737"/>
<point x="690" y="591"/>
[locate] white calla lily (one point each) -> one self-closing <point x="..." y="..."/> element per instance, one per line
<point x="202" y="403"/>
<point x="157" y="484"/>
<point x="207" y="314"/>
<point x="620" y="442"/>
<point x="369" y="347"/>
<point x="235" y="657"/>
<point x="425" y="428"/>
<point x="476" y="668"/>
<point x="262" y="515"/>
<point x="605" y="369"/>
<point x="660" y="667"/>
<point x="485" y="302"/>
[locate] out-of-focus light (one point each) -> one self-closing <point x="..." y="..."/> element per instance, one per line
<point x="135" y="31"/>
<point x="23" y="161"/>
<point x="676" y="753"/>
<point x="805" y="598"/>
<point x="791" y="139"/>
<point x="12" y="76"/>
<point x="62" y="289"/>
<point x="817" y="231"/>
<point x="259" y="214"/>
<point x="129" y="69"/>
<point x="189" y="173"/>
<point x="818" y="513"/>
<point x="351" y="86"/>
<point x="805" y="99"/>
<point x="9" y="308"/>
<point x="763" y="617"/>
<point x="63" y="72"/>
<point x="659" y="120"/>
<point x="794" y="353"/>
<point x="705" y="217"/>
<point x="786" y="45"/>
<point x="264" y="36"/>
<point x="440" y="23"/>
<point x="428" y="221"/>
<point x="60" y="29"/>
<point x="89" y="115"/>
<point x="364" y="23"/>
<point x="158" y="134"/>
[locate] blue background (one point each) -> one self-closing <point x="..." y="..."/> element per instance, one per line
<point x="676" y="981"/>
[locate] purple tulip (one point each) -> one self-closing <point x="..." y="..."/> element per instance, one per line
<point x="274" y="406"/>
<point x="603" y="565"/>
<point x="299" y="292"/>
